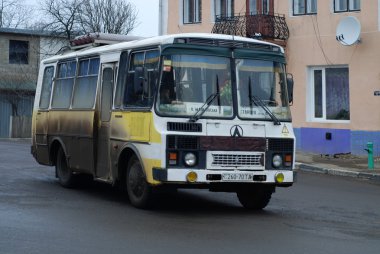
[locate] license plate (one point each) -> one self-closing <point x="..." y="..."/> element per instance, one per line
<point x="237" y="177"/>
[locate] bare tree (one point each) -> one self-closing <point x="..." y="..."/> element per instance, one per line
<point x="108" y="16"/>
<point x="62" y="17"/>
<point x="14" y="14"/>
<point x="72" y="17"/>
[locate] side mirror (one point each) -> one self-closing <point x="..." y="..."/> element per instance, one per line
<point x="290" y="84"/>
<point x="141" y="80"/>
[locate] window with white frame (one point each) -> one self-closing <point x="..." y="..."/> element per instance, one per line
<point x="330" y="96"/>
<point x="346" y="5"/>
<point x="47" y="83"/>
<point x="224" y="8"/>
<point x="86" y="83"/>
<point x="265" y="6"/>
<point x="260" y="7"/>
<point x="64" y="83"/>
<point x="192" y="11"/>
<point x="304" y="7"/>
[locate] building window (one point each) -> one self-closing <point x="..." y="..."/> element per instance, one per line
<point x="224" y="8"/>
<point x="304" y="7"/>
<point x="256" y="7"/>
<point x="265" y="6"/>
<point x="18" y="52"/>
<point x="330" y="98"/>
<point x="346" y="5"/>
<point x="192" y="11"/>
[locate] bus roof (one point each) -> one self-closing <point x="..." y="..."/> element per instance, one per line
<point x="154" y="41"/>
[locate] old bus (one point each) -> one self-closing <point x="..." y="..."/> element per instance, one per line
<point x="181" y="111"/>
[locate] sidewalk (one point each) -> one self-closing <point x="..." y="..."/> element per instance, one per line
<point x="342" y="165"/>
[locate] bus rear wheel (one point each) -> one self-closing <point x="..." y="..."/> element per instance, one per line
<point x="139" y="191"/>
<point x="255" y="198"/>
<point x="64" y="173"/>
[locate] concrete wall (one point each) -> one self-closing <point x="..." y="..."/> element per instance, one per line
<point x="50" y="46"/>
<point x="312" y="42"/>
<point x="20" y="71"/>
<point x="175" y="16"/>
<point x="16" y="78"/>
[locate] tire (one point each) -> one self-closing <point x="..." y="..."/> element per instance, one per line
<point x="255" y="198"/>
<point x="64" y="173"/>
<point x="139" y="191"/>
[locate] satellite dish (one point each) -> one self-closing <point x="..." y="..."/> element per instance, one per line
<point x="348" y="31"/>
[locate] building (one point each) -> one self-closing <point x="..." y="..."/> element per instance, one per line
<point x="20" y="54"/>
<point x="337" y="86"/>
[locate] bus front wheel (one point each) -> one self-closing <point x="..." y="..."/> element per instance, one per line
<point x="255" y="198"/>
<point x="64" y="173"/>
<point x="139" y="191"/>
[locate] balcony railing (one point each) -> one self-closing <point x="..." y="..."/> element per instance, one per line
<point x="266" y="26"/>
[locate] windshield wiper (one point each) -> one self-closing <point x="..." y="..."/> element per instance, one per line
<point x="260" y="103"/>
<point x="207" y="103"/>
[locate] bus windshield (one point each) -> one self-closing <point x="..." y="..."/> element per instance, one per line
<point x="188" y="81"/>
<point x="262" y="84"/>
<point x="197" y="86"/>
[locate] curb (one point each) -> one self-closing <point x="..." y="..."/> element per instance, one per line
<point x="338" y="172"/>
<point x="25" y="140"/>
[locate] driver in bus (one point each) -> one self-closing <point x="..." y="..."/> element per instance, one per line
<point x="165" y="97"/>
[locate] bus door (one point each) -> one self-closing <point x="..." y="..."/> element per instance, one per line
<point x="42" y="117"/>
<point x="106" y="97"/>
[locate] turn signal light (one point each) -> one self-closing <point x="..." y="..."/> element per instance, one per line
<point x="172" y="158"/>
<point x="191" y="177"/>
<point x="288" y="160"/>
<point x="279" y="177"/>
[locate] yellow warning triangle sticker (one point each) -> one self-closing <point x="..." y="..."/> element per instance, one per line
<point x="285" y="130"/>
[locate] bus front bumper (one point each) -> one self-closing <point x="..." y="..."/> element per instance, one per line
<point x="204" y="176"/>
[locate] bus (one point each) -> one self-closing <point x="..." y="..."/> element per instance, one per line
<point x="176" y="111"/>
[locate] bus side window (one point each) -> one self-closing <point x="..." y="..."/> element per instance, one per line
<point x="122" y="79"/>
<point x="86" y="83"/>
<point x="152" y="58"/>
<point x="135" y="95"/>
<point x="64" y="84"/>
<point x="131" y="96"/>
<point x="47" y="83"/>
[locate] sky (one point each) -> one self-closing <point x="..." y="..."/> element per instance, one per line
<point x="147" y="17"/>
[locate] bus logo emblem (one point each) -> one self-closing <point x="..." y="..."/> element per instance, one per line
<point x="236" y="131"/>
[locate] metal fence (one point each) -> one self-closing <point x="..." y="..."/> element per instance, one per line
<point x="268" y="26"/>
<point x="20" y="128"/>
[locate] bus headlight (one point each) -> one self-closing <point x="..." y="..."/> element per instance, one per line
<point x="190" y="159"/>
<point x="277" y="161"/>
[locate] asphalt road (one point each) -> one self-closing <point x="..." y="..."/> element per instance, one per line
<point x="319" y="214"/>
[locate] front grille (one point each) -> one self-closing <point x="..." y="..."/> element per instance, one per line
<point x="280" y="145"/>
<point x="236" y="160"/>
<point x="186" y="127"/>
<point x="183" y="142"/>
